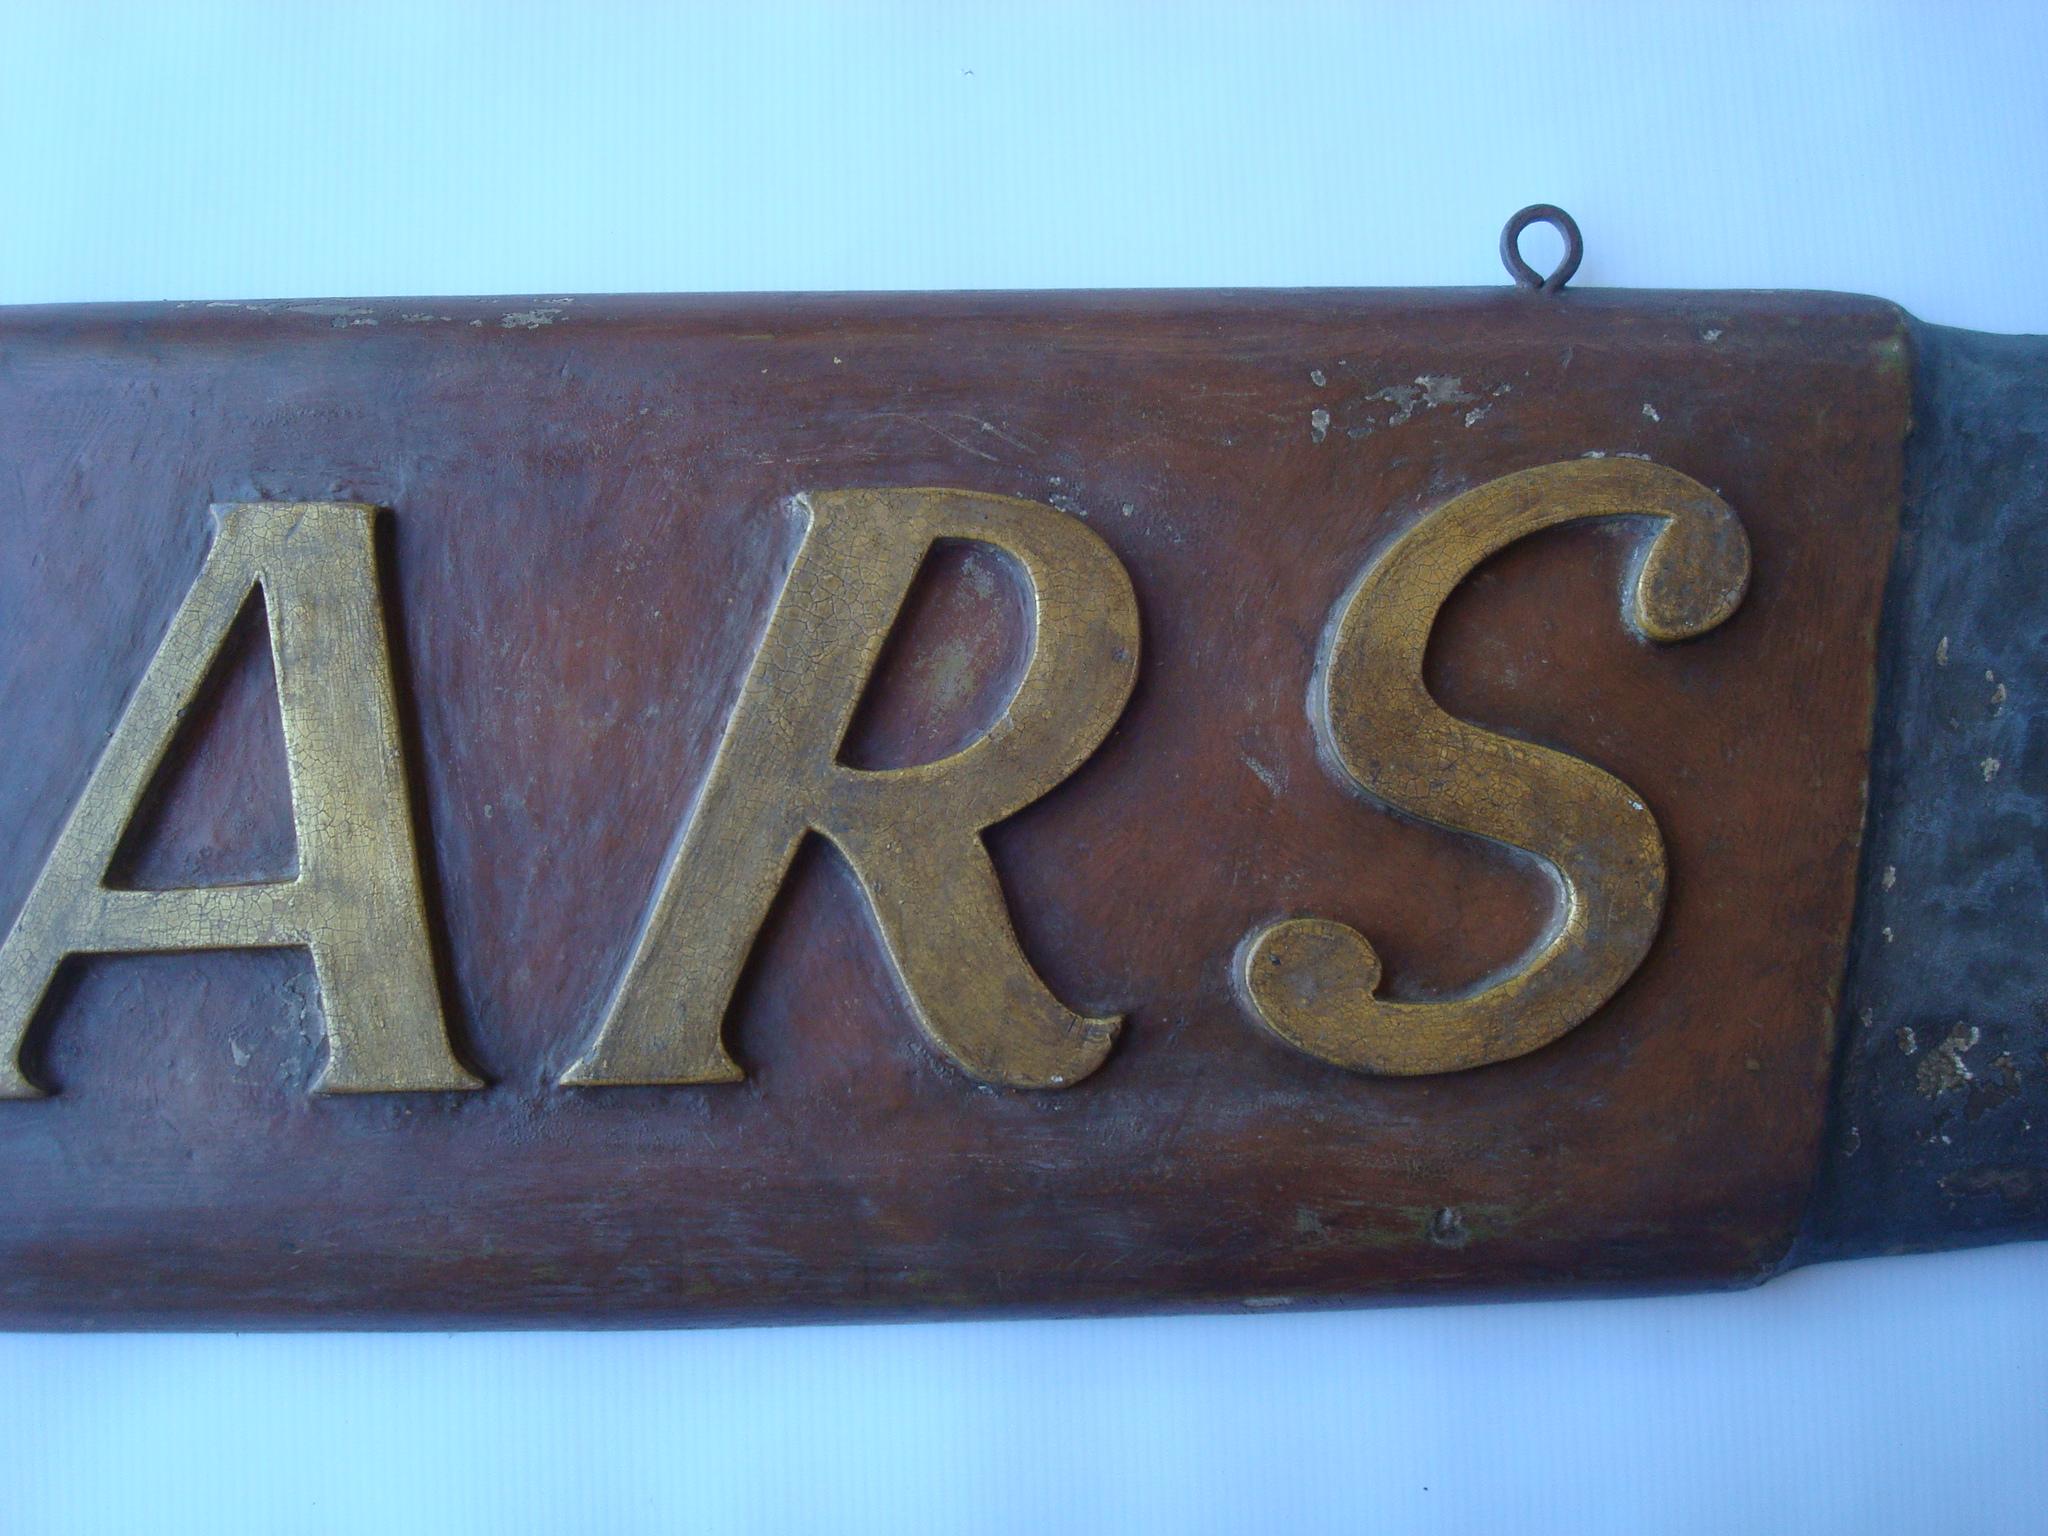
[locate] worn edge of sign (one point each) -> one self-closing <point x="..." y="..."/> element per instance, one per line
<point x="1938" y="1127"/>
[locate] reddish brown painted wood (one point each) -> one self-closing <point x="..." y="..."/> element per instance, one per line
<point x="583" y="543"/>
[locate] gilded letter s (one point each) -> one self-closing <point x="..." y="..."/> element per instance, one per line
<point x="1312" y="981"/>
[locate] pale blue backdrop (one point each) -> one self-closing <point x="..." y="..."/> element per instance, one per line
<point x="280" y="149"/>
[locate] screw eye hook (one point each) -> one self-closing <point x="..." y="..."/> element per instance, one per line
<point x="1525" y="275"/>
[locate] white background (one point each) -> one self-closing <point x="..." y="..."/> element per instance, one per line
<point x="270" y="150"/>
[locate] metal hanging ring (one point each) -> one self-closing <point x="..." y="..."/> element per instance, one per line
<point x="1511" y="247"/>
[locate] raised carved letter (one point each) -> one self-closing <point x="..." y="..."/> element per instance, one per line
<point x="355" y="902"/>
<point x="1311" y="981"/>
<point x="912" y="835"/>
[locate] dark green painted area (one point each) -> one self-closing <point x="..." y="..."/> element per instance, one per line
<point x="1939" y="1134"/>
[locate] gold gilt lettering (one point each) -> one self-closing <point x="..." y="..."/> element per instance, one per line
<point x="1312" y="982"/>
<point x="912" y="835"/>
<point x="355" y="901"/>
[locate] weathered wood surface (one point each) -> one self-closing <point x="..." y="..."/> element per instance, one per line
<point x="1939" y="1133"/>
<point x="584" y="539"/>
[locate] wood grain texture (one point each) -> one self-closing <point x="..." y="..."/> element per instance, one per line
<point x="586" y="534"/>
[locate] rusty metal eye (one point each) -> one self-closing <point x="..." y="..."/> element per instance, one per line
<point x="1511" y="247"/>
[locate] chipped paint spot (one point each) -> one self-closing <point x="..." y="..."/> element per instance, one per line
<point x="1711" y="335"/>
<point x="1650" y="412"/>
<point x="1998" y="1085"/>
<point x="1447" y="1228"/>
<point x="1941" y="652"/>
<point x="1989" y="768"/>
<point x="1891" y="876"/>
<point x="979" y="576"/>
<point x="1274" y="783"/>
<point x="1909" y="1042"/>
<point x="1318" y="424"/>
<point x="950" y="671"/>
<point x="1429" y="391"/>
<point x="533" y="319"/>
<point x="2014" y="1184"/>
<point x="1943" y="1070"/>
<point x="1473" y="416"/>
<point x="1317" y="377"/>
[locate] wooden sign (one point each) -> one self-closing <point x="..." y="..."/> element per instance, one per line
<point x="690" y="809"/>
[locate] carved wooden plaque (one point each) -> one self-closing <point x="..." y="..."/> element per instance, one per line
<point x="693" y="809"/>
